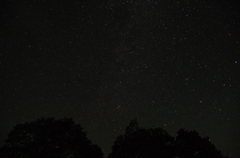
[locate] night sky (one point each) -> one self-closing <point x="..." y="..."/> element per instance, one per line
<point x="169" y="64"/>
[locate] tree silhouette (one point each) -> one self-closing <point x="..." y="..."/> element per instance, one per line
<point x="153" y="142"/>
<point x="190" y="145"/>
<point x="49" y="138"/>
<point x="145" y="143"/>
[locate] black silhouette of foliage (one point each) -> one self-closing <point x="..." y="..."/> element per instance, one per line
<point x="144" y="143"/>
<point x="153" y="142"/>
<point x="49" y="138"/>
<point x="190" y="145"/>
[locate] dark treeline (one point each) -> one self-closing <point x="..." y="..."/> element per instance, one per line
<point x="48" y="137"/>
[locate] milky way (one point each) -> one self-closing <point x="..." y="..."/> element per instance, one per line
<point x="172" y="65"/>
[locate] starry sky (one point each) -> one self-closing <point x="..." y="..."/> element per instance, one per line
<point x="169" y="64"/>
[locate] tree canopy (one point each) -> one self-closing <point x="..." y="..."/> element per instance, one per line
<point x="51" y="138"/>
<point x="139" y="142"/>
<point x="48" y="137"/>
<point x="190" y="144"/>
